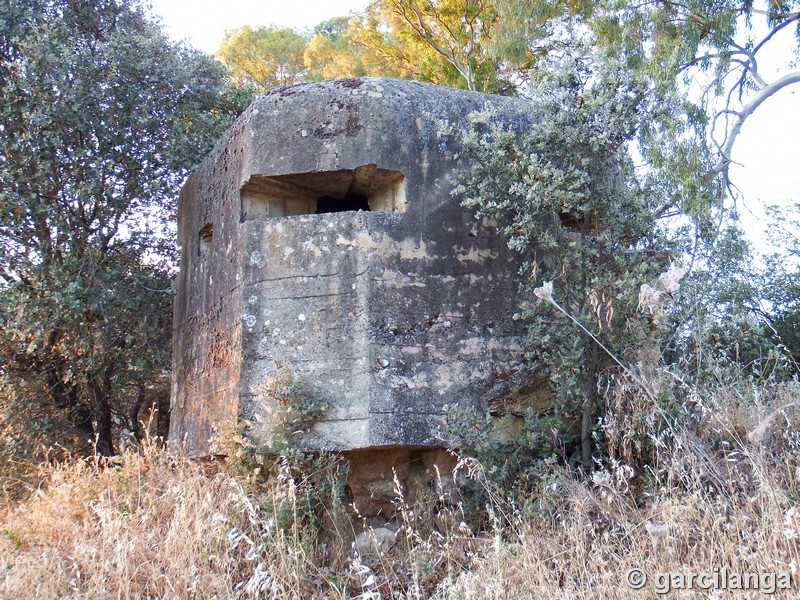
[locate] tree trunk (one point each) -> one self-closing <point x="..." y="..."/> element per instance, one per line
<point x="65" y="397"/>
<point x="162" y="418"/>
<point x="101" y="407"/>
<point x="156" y="401"/>
<point x="133" y="417"/>
<point x="587" y="417"/>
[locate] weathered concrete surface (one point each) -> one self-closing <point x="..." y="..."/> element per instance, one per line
<point x="394" y="312"/>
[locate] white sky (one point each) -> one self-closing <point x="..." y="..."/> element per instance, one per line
<point x="769" y="152"/>
<point x="768" y="147"/>
<point x="203" y="23"/>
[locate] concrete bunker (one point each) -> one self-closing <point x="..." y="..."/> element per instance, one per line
<point x="321" y="237"/>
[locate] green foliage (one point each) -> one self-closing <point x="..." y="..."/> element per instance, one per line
<point x="101" y="118"/>
<point x="11" y="537"/>
<point x="443" y="42"/>
<point x="566" y="196"/>
<point x="702" y="55"/>
<point x="331" y="52"/>
<point x="503" y="445"/>
<point x="264" y="57"/>
<point x="289" y="407"/>
<point x="312" y="482"/>
<point x="780" y="284"/>
<point x="292" y="406"/>
<point x="506" y="446"/>
<point x="612" y="84"/>
<point x="312" y="498"/>
<point x="737" y="311"/>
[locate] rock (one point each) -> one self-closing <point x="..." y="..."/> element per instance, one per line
<point x="375" y="542"/>
<point x="380" y="478"/>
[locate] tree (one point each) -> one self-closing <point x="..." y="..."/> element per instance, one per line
<point x="441" y="41"/>
<point x="264" y="57"/>
<point x="101" y="117"/>
<point x="706" y="51"/>
<point x="693" y="71"/>
<point x="378" y="43"/>
<point x="437" y="42"/>
<point x="331" y="54"/>
<point x="566" y="195"/>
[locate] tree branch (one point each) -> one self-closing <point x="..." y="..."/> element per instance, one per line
<point x="748" y="109"/>
<point x="421" y="30"/>
<point x="789" y="18"/>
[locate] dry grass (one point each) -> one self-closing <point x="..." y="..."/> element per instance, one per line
<point x="150" y="525"/>
<point x="718" y="498"/>
<point x="720" y="492"/>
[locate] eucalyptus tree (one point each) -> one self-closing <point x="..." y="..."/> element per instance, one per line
<point x="456" y="31"/>
<point x="718" y="56"/>
<point x="638" y="107"/>
<point x="330" y="53"/>
<point x="567" y="196"/>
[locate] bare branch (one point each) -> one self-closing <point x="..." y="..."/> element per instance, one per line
<point x="750" y="65"/>
<point x="790" y="18"/>
<point x="742" y="115"/>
